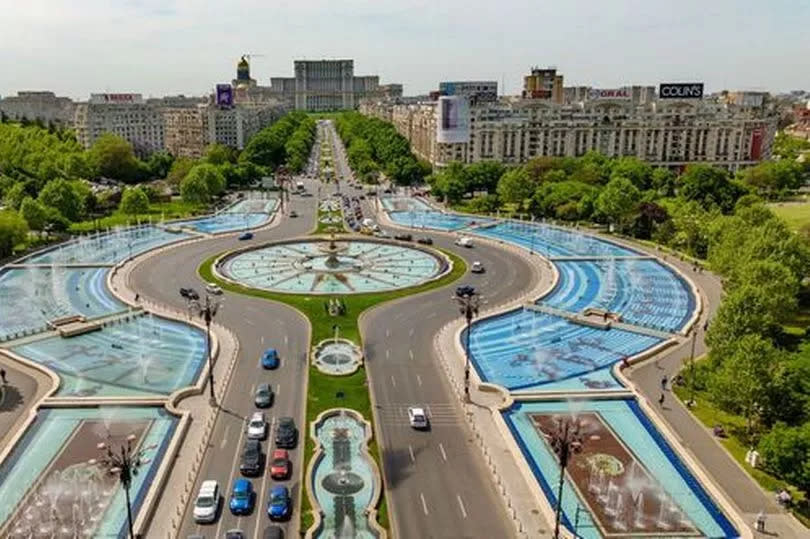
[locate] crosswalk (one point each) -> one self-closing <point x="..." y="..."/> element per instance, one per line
<point x="439" y="413"/>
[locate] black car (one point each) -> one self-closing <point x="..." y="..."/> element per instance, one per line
<point x="189" y="293"/>
<point x="286" y="433"/>
<point x="425" y="241"/>
<point x="251" y="458"/>
<point x="465" y="290"/>
<point x="403" y="237"/>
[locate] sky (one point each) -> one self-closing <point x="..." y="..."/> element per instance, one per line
<point x="163" y="47"/>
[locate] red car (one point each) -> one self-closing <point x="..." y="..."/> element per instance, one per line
<point x="280" y="464"/>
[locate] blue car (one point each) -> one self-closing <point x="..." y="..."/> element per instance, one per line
<point x="280" y="504"/>
<point x="246" y="236"/>
<point x="270" y="359"/>
<point x="242" y="497"/>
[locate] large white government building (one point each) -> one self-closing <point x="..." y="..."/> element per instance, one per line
<point x="672" y="130"/>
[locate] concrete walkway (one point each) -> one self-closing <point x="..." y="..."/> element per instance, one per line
<point x="25" y="388"/>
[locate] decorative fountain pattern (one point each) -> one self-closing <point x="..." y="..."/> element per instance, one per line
<point x="341" y="475"/>
<point x="245" y="214"/>
<point x="50" y="488"/>
<point x="333" y="266"/>
<point x="337" y="357"/>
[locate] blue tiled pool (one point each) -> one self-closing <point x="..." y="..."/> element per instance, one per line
<point x="646" y="492"/>
<point x="434" y="219"/>
<point x="224" y="222"/>
<point x="552" y="241"/>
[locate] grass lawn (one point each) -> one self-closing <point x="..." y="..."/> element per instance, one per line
<point x="323" y="391"/>
<point x="796" y="214"/>
<point x="175" y="209"/>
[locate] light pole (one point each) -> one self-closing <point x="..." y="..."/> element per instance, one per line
<point x="124" y="463"/>
<point x="207" y="309"/>
<point x="692" y="369"/>
<point x="469" y="302"/>
<point x="566" y="440"/>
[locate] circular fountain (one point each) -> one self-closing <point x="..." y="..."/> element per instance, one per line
<point x="333" y="266"/>
<point x="337" y="357"/>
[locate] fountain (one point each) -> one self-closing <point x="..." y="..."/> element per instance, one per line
<point x="337" y="356"/>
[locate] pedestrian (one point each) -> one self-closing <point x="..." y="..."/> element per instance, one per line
<point x="137" y="297"/>
<point x="705" y="325"/>
<point x="3" y="376"/>
<point x="664" y="383"/>
<point x="761" y="522"/>
<point x="625" y="363"/>
<point x="661" y="400"/>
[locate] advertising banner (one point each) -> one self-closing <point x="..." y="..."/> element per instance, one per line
<point x="680" y="90"/>
<point x="454" y="120"/>
<point x="224" y="95"/>
<point x="620" y="94"/>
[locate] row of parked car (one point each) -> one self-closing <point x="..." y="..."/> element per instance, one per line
<point x="252" y="463"/>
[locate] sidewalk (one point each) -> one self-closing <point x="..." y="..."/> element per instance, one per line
<point x="25" y="388"/>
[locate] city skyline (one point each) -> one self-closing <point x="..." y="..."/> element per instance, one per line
<point x="122" y="48"/>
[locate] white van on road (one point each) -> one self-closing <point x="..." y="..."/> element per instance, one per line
<point x="464" y="241"/>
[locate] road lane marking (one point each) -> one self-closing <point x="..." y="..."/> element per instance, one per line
<point x="258" y="509"/>
<point x="387" y="332"/>
<point x="441" y="448"/>
<point x="410" y="354"/>
<point x="424" y="504"/>
<point x="387" y="354"/>
<point x="286" y="339"/>
<point x="418" y="379"/>
<point x="461" y="505"/>
<point x="393" y="382"/>
<point x="225" y="437"/>
<point x="410" y="450"/>
<point x="410" y="333"/>
<point x="232" y="473"/>
<point x="278" y="389"/>
<point x="249" y="322"/>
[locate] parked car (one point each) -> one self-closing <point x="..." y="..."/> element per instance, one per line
<point x="251" y="464"/>
<point x="211" y="288"/>
<point x="242" y="496"/>
<point x="403" y="237"/>
<point x="477" y="267"/>
<point x="280" y="464"/>
<point x="264" y="396"/>
<point x="417" y="418"/>
<point x="270" y="359"/>
<point x="279" y="506"/>
<point x="246" y="236"/>
<point x="206" y="506"/>
<point x="286" y="433"/>
<point x="425" y="241"/>
<point x="257" y="427"/>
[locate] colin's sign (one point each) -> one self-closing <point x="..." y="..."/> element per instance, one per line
<point x="680" y="90"/>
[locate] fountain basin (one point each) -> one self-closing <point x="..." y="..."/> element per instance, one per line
<point x="338" y="357"/>
<point x="344" y="481"/>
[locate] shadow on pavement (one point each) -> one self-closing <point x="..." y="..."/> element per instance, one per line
<point x="11" y="398"/>
<point x="397" y="465"/>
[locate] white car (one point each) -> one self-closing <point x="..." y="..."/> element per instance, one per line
<point x="417" y="417"/>
<point x="464" y="241"/>
<point x="477" y="267"/>
<point x="257" y="427"/>
<point x="211" y="288"/>
<point x="206" y="505"/>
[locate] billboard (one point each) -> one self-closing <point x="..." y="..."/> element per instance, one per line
<point x="621" y="94"/>
<point x="454" y="120"/>
<point x="756" y="144"/>
<point x="680" y="90"/>
<point x="224" y="95"/>
<point x="116" y="99"/>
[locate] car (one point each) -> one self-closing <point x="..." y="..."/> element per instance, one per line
<point x="477" y="267"/>
<point x="273" y="532"/>
<point x="362" y="197"/>
<point x="286" y="433"/>
<point x="465" y="290"/>
<point x="381" y="234"/>
<point x="293" y="214"/>
<point x="264" y="396"/>
<point x="211" y="288"/>
<point x="185" y="292"/>
<point x="270" y="359"/>
<point x="279" y="506"/>
<point x="464" y="241"/>
<point x="417" y="418"/>
<point x="242" y="496"/>
<point x="246" y="236"/>
<point x="257" y="427"/>
<point x="425" y="241"/>
<point x="235" y="534"/>
<point x="206" y="505"/>
<point x="403" y="237"/>
<point x="251" y="464"/>
<point x="280" y="464"/>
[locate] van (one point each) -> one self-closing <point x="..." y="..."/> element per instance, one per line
<point x="464" y="241"/>
<point x="206" y="505"/>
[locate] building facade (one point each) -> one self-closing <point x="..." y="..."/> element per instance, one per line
<point x="476" y="91"/>
<point x="668" y="132"/>
<point x="45" y="107"/>
<point x="186" y="132"/>
<point x="125" y="115"/>
<point x="543" y="84"/>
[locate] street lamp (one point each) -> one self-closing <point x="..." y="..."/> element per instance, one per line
<point x="206" y="308"/>
<point x="469" y="302"/>
<point x="691" y="401"/>
<point x="566" y="439"/>
<point x="124" y="463"/>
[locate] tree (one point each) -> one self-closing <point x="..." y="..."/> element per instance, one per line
<point x="218" y="154"/>
<point x="202" y="183"/>
<point x="785" y="452"/>
<point x="15" y="195"/>
<point x="61" y="195"/>
<point x="484" y="175"/>
<point x="113" y="157"/>
<point x="746" y="310"/>
<point x="134" y="201"/>
<point x="618" y="200"/>
<point x="450" y="183"/>
<point x="741" y="383"/>
<point x="515" y="187"/>
<point x="663" y="182"/>
<point x="570" y="200"/>
<point x="709" y="186"/>
<point x="193" y="189"/>
<point x="159" y="164"/>
<point x="634" y="169"/>
<point x="34" y="214"/>
<point x="179" y="170"/>
<point x="772" y="178"/>
<point x="13" y="230"/>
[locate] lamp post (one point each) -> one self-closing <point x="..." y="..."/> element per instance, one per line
<point x="469" y="302"/>
<point x="206" y="308"/>
<point x="692" y="369"/>
<point x="123" y="462"/>
<point x="566" y="439"/>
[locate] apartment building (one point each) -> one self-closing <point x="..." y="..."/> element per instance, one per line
<point x="43" y="106"/>
<point x="126" y="115"/>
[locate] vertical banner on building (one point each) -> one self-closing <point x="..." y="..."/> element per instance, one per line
<point x="453" y="124"/>
<point x="756" y="144"/>
<point x="224" y="95"/>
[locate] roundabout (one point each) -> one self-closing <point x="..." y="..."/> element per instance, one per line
<point x="345" y="266"/>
